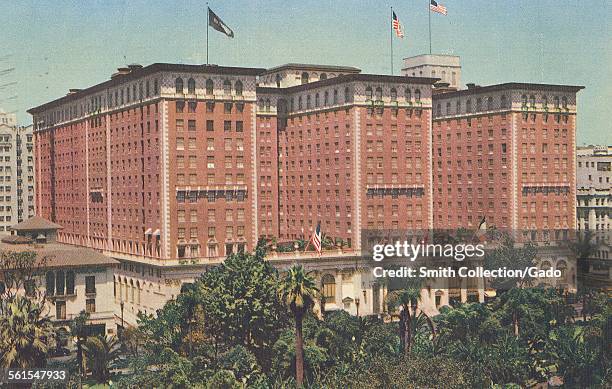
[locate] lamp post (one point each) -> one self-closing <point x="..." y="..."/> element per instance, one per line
<point x="357" y="305"/>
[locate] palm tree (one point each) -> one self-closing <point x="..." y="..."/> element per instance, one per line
<point x="408" y="299"/>
<point x="78" y="329"/>
<point x="100" y="353"/>
<point x="25" y="334"/>
<point x="298" y="292"/>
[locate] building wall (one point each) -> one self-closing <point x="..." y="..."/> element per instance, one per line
<point x="507" y="156"/>
<point x="17" y="181"/>
<point x="594" y="199"/>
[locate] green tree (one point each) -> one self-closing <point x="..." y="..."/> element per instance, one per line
<point x="101" y="352"/>
<point x="26" y="334"/>
<point x="510" y="255"/>
<point x="240" y="305"/>
<point x="78" y="330"/>
<point x="298" y="291"/>
<point x="408" y="298"/>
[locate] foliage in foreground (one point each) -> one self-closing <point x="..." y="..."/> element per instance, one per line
<point x="231" y="329"/>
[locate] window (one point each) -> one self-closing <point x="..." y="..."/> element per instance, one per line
<point x="191" y="86"/>
<point x="329" y="288"/>
<point x="178" y="84"/>
<point x="90" y="305"/>
<point x="408" y="95"/>
<point x="209" y="87"/>
<point x="369" y="93"/>
<point x="393" y="94"/>
<point x="379" y="93"/>
<point x="70" y="276"/>
<point x="227" y="87"/>
<point x="60" y="310"/>
<point x="417" y="95"/>
<point x="347" y="94"/>
<point x="60" y="282"/>
<point x="238" y="88"/>
<point x="504" y="102"/>
<point x="90" y="284"/>
<point x="50" y="282"/>
<point x="304" y="78"/>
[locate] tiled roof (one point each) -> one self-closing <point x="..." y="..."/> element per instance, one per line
<point x="63" y="255"/>
<point x="36" y="223"/>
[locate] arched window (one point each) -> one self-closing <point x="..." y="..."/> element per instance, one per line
<point x="393" y="94"/>
<point x="317" y="100"/>
<point x="368" y="93"/>
<point x="545" y="101"/>
<point x="379" y="93"/>
<point x="267" y="105"/>
<point x="260" y="104"/>
<point x="323" y="76"/>
<point x="238" y="87"/>
<point x="131" y="286"/>
<point x="448" y="108"/>
<point x="227" y="87"/>
<point x="155" y="89"/>
<point x="490" y="104"/>
<point x="308" y="102"/>
<point x="408" y="95"/>
<point x="70" y="282"/>
<point x="278" y="80"/>
<point x="60" y="282"/>
<point x="478" y="104"/>
<point x="291" y="105"/>
<point x="439" y="109"/>
<point x="300" y="103"/>
<point x="504" y="101"/>
<point x="556" y="101"/>
<point x="524" y="100"/>
<point x="468" y="106"/>
<point x="191" y="86"/>
<point x="50" y="278"/>
<point x="564" y="102"/>
<point x="335" y="96"/>
<point x="328" y="285"/>
<point x="562" y="267"/>
<point x="209" y="87"/>
<point x="178" y="85"/>
<point x="326" y="98"/>
<point x="417" y="95"/>
<point x="304" y="78"/>
<point x="347" y="94"/>
<point x="532" y="101"/>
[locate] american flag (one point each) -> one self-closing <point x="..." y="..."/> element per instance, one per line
<point x="439" y="8"/>
<point x="316" y="238"/>
<point x="397" y="26"/>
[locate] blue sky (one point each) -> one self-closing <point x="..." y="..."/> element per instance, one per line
<point x="56" y="45"/>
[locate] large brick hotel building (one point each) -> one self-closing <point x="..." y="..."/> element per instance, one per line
<point x="178" y="161"/>
<point x="167" y="167"/>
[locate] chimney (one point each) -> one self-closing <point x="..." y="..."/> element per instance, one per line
<point x="471" y="85"/>
<point x="72" y="91"/>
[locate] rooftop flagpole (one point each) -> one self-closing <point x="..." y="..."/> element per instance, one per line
<point x="207" y="28"/>
<point x="429" y="13"/>
<point x="391" y="31"/>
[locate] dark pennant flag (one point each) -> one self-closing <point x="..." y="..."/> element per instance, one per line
<point x="215" y="22"/>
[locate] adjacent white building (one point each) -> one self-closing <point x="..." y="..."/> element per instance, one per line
<point x="594" y="203"/>
<point x="16" y="172"/>
<point x="445" y="67"/>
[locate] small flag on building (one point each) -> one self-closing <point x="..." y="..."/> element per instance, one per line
<point x="397" y="26"/>
<point x="316" y="238"/>
<point x="215" y="22"/>
<point x="439" y="8"/>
